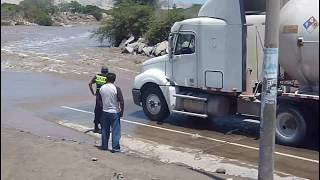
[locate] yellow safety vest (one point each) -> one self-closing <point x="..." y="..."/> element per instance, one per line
<point x="100" y="80"/>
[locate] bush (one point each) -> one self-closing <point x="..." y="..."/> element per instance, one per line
<point x="75" y="7"/>
<point x="94" y="11"/>
<point x="152" y="3"/>
<point x="9" y="10"/>
<point x="38" y="11"/>
<point x="45" y="6"/>
<point x="43" y="20"/>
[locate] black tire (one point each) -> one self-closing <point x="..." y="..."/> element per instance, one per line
<point x="158" y="113"/>
<point x="312" y="123"/>
<point x="291" y="126"/>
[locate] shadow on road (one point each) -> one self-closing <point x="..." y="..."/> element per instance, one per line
<point x="237" y="125"/>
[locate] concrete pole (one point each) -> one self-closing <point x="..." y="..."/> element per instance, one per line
<point x="269" y="91"/>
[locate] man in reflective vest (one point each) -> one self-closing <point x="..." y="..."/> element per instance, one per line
<point x="99" y="80"/>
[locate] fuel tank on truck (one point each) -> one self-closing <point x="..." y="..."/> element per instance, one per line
<point x="299" y="43"/>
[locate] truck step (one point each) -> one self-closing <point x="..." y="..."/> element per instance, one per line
<point x="190" y="114"/>
<point x="190" y="97"/>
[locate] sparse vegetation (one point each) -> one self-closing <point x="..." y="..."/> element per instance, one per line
<point x="40" y="11"/>
<point x="9" y="10"/>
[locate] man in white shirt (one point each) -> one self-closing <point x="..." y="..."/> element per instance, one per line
<point x="113" y="106"/>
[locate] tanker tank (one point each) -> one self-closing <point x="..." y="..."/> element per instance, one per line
<point x="299" y="43"/>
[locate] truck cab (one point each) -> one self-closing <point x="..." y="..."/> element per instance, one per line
<point x="214" y="68"/>
<point x="207" y="53"/>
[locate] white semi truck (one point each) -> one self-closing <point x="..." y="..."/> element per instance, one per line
<point x="214" y="68"/>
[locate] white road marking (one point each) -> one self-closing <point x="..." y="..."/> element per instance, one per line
<point x="204" y="137"/>
<point x="128" y="70"/>
<point x="252" y="121"/>
<point x="164" y="154"/>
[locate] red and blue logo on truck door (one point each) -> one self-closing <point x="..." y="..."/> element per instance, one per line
<point x="311" y="24"/>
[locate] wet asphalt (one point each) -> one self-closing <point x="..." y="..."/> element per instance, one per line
<point x="33" y="102"/>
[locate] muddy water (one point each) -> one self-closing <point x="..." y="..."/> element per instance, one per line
<point x="54" y="42"/>
<point x="24" y="94"/>
<point x="61" y="50"/>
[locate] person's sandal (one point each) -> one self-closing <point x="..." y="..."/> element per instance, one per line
<point x="97" y="131"/>
<point x="115" y="151"/>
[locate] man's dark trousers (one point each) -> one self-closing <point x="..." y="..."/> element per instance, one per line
<point x="97" y="111"/>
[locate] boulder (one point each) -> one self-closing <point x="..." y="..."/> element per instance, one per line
<point x="130" y="40"/>
<point x="134" y="45"/>
<point x="106" y="16"/>
<point x="127" y="49"/>
<point x="23" y="22"/>
<point x="140" y="48"/>
<point x="160" y="47"/>
<point x="147" y="50"/>
<point x="154" y="49"/>
<point x="91" y="18"/>
<point x="121" y="45"/>
<point x="141" y="40"/>
<point x="221" y="170"/>
<point x="7" y="23"/>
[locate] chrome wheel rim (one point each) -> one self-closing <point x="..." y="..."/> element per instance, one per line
<point x="287" y="125"/>
<point x="153" y="104"/>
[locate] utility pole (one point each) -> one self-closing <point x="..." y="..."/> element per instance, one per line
<point x="269" y="91"/>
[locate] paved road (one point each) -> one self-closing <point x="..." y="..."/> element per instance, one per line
<point x="55" y="97"/>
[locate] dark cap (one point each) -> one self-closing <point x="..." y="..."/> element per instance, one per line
<point x="104" y="70"/>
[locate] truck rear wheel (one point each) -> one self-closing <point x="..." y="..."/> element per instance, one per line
<point x="291" y="126"/>
<point x="154" y="104"/>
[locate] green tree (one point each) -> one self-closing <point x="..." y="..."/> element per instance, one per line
<point x="41" y="5"/>
<point x="9" y="10"/>
<point x="159" y="28"/>
<point x="38" y="11"/>
<point x="94" y="11"/>
<point x="152" y="3"/>
<point x="63" y="7"/>
<point x="127" y="19"/>
<point x="75" y="7"/>
<point x="43" y="19"/>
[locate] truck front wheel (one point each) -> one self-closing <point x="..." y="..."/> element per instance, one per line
<point x="291" y="126"/>
<point x="154" y="104"/>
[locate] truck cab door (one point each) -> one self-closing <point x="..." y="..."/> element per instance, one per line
<point x="184" y="60"/>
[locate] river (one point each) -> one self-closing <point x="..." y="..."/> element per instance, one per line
<point x="60" y="49"/>
<point x="55" y="42"/>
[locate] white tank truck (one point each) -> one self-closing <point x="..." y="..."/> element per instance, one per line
<point x="214" y="68"/>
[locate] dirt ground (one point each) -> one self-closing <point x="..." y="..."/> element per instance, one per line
<point x="27" y="156"/>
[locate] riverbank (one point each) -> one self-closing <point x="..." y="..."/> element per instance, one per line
<point x="58" y="19"/>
